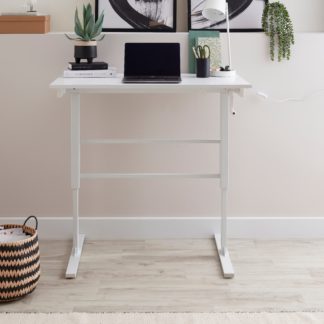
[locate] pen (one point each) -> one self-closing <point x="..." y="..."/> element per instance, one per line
<point x="195" y="53"/>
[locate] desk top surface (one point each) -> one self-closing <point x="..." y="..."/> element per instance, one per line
<point x="189" y="83"/>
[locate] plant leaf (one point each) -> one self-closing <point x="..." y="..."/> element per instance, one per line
<point x="79" y="31"/>
<point x="69" y="37"/>
<point x="100" y="38"/>
<point x="84" y="14"/>
<point x="87" y="15"/>
<point x="78" y="26"/>
<point x="89" y="29"/>
<point x="98" y="25"/>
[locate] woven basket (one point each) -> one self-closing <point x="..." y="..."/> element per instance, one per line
<point x="19" y="264"/>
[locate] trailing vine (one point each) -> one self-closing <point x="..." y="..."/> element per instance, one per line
<point x="277" y="24"/>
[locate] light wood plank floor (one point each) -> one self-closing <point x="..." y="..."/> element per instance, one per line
<point x="179" y="276"/>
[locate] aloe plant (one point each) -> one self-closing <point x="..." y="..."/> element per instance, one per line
<point x="88" y="29"/>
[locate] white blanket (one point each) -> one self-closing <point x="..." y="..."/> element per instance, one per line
<point x="12" y="235"/>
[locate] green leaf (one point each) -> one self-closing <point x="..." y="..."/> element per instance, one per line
<point x="84" y="13"/>
<point x="98" y="25"/>
<point x="78" y="26"/>
<point x="69" y="37"/>
<point x="100" y="38"/>
<point x="89" y="29"/>
<point x="87" y="14"/>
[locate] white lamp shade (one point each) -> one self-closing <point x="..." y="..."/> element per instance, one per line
<point x="214" y="10"/>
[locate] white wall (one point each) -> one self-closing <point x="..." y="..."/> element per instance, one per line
<point x="276" y="150"/>
<point x="307" y="15"/>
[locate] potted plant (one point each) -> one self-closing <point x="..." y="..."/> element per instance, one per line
<point x="278" y="26"/>
<point x="88" y="34"/>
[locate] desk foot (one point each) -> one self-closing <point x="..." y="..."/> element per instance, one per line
<point x="72" y="268"/>
<point x="224" y="259"/>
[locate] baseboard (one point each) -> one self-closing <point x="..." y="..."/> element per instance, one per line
<point x="132" y="228"/>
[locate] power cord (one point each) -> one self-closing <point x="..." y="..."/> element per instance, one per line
<point x="304" y="98"/>
<point x="265" y="96"/>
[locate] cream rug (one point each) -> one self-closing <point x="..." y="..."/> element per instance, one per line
<point x="165" y="318"/>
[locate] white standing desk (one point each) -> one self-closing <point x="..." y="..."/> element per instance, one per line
<point x="190" y="84"/>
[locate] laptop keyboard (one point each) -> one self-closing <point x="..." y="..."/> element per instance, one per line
<point x="152" y="79"/>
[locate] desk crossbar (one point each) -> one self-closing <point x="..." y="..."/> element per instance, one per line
<point x="149" y="141"/>
<point x="149" y="175"/>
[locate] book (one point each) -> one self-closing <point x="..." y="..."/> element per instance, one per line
<point x="88" y="66"/>
<point x="214" y="44"/>
<point x="193" y="36"/>
<point x="110" y="73"/>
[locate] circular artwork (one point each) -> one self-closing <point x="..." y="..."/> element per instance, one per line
<point x="145" y="14"/>
<point x="244" y="14"/>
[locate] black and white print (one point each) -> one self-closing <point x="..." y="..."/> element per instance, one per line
<point x="138" y="15"/>
<point x="244" y="15"/>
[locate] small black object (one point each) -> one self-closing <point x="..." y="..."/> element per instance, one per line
<point x="202" y="67"/>
<point x="88" y="66"/>
<point x="85" y="52"/>
<point x="226" y="68"/>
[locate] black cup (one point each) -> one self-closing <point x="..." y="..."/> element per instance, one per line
<point x="203" y="67"/>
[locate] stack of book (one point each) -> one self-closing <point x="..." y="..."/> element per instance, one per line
<point x="89" y="70"/>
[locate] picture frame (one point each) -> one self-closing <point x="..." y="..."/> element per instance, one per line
<point x="244" y="15"/>
<point x="138" y="15"/>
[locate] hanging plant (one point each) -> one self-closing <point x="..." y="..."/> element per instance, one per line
<point x="277" y="24"/>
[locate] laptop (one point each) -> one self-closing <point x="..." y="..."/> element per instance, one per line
<point x="152" y="63"/>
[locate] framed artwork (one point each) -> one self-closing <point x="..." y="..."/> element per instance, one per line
<point x="138" y="15"/>
<point x="244" y="15"/>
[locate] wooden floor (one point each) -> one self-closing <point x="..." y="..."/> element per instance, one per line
<point x="179" y="276"/>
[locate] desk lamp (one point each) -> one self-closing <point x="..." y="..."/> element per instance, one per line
<point x="217" y="10"/>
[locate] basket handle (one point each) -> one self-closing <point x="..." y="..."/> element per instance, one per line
<point x="36" y="221"/>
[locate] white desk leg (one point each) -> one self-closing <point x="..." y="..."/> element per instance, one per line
<point x="221" y="239"/>
<point x="78" y="238"/>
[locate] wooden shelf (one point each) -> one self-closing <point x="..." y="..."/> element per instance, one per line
<point x="24" y="24"/>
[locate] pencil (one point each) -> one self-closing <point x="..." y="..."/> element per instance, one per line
<point x="195" y="53"/>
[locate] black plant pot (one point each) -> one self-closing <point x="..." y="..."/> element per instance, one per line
<point x="86" y="51"/>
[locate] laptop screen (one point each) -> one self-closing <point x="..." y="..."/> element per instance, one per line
<point x="152" y="59"/>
